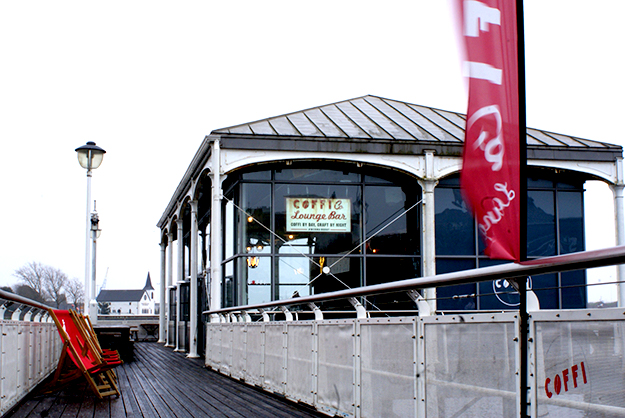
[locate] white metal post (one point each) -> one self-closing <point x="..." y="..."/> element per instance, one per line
<point x="619" y="214"/>
<point x="170" y="273"/>
<point x="216" y="229"/>
<point x="161" y="314"/>
<point x="87" y="245"/>
<point x="180" y="277"/>
<point x="193" y="290"/>
<point x="428" y="227"/>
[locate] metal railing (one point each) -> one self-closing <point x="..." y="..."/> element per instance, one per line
<point x="465" y="364"/>
<point x="30" y="347"/>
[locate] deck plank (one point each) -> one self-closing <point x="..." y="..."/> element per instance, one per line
<point x="159" y="383"/>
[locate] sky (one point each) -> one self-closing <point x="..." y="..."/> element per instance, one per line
<point x="148" y="80"/>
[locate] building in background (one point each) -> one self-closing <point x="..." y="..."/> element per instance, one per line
<point x="128" y="301"/>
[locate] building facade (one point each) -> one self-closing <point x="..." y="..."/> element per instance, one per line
<point x="356" y="193"/>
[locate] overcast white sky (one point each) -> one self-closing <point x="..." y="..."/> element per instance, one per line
<point x="147" y="80"/>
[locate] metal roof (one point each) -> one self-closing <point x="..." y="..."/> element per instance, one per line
<point x="373" y="118"/>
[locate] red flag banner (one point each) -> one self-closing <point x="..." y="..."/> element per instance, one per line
<point x="490" y="176"/>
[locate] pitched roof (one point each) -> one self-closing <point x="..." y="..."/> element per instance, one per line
<point x="122" y="295"/>
<point x="373" y="118"/>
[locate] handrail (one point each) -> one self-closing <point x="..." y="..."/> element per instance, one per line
<point x="22" y="301"/>
<point x="566" y="262"/>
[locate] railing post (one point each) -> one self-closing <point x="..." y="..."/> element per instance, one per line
<point x="288" y="315"/>
<point x="360" y="310"/>
<point x="317" y="311"/>
<point x="422" y="305"/>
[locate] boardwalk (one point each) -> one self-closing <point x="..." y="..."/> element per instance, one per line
<point x="159" y="384"/>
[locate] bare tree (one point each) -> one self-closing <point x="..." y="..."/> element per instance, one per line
<point x="55" y="282"/>
<point x="33" y="275"/>
<point x="75" y="292"/>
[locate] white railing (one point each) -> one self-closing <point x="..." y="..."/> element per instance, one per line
<point x="30" y="347"/>
<point x="464" y="364"/>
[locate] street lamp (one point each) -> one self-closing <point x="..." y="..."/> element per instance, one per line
<point x="89" y="157"/>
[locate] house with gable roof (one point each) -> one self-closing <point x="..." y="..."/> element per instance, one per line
<point x="128" y="301"/>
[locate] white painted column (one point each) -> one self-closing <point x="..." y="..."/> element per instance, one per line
<point x="193" y="290"/>
<point x="428" y="252"/>
<point x="161" y="315"/>
<point x="216" y="235"/>
<point x="170" y="272"/>
<point x="619" y="214"/>
<point x="179" y="280"/>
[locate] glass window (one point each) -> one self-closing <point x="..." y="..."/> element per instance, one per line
<point x="269" y="257"/>
<point x="255" y="218"/>
<point x="571" y="222"/>
<point x="294" y="275"/>
<point x="257" y="279"/>
<point x="386" y="204"/>
<point x="555" y="225"/>
<point x="455" y="231"/>
<point x="541" y="224"/>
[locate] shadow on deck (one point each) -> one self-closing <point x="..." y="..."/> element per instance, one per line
<point x="161" y="383"/>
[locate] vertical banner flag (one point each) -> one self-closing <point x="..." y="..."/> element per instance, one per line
<point x="490" y="176"/>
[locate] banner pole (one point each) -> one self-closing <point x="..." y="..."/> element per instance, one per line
<point x="523" y="314"/>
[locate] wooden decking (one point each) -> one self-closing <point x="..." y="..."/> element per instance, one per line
<point x="158" y="384"/>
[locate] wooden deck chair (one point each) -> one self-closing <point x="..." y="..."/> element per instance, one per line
<point x="78" y="359"/>
<point x="83" y="323"/>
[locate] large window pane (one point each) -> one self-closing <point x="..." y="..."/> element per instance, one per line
<point x="378" y="272"/>
<point x="387" y="221"/>
<point x="455" y="231"/>
<point x="541" y="225"/>
<point x="294" y="275"/>
<point x="255" y="218"/>
<point x="570" y="214"/>
<point x="256" y="283"/>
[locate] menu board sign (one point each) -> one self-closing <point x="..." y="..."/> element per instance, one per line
<point x="305" y="214"/>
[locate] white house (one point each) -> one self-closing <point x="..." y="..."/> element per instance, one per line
<point x="129" y="301"/>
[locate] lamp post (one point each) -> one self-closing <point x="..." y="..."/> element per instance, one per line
<point x="89" y="157"/>
<point x="95" y="234"/>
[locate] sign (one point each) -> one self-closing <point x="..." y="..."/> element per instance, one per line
<point x="490" y="176"/>
<point x="314" y="214"/>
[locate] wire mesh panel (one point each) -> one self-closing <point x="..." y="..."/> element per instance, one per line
<point x="470" y="366"/>
<point x="335" y="377"/>
<point x="387" y="367"/>
<point x="254" y="353"/>
<point x="300" y="350"/>
<point x="226" y="347"/>
<point x="213" y="345"/>
<point x="274" y="357"/>
<point x="239" y="351"/>
<point x="579" y="363"/>
<point x="10" y="366"/>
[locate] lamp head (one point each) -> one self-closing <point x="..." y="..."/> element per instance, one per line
<point x="90" y="155"/>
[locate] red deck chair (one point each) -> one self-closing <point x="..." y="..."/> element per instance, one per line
<point x="83" y="323"/>
<point x="79" y="358"/>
